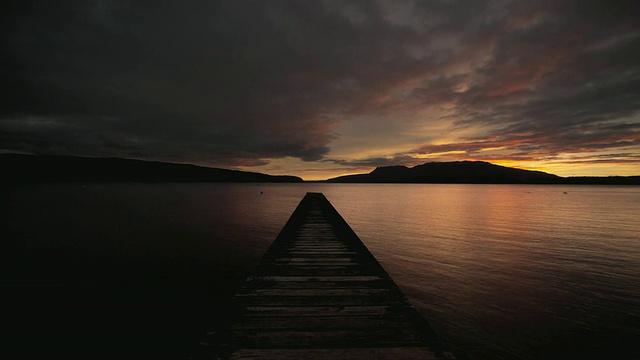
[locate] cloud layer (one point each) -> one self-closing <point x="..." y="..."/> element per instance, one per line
<point x="333" y="85"/>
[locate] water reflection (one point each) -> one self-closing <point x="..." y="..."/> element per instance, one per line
<point x="500" y="270"/>
<point x="518" y="271"/>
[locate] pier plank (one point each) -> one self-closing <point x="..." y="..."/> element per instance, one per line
<point x="318" y="293"/>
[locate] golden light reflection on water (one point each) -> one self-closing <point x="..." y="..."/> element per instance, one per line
<point x="500" y="265"/>
<point x="511" y="271"/>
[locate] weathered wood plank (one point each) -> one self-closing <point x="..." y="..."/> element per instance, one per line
<point x="370" y="300"/>
<point x="314" y="278"/>
<point x="327" y="311"/>
<point x="315" y="262"/>
<point x="321" y="322"/>
<point x="322" y="292"/>
<point x="329" y="338"/>
<point x="317" y="284"/>
<point x="316" y="270"/>
<point x="388" y="353"/>
<point x="316" y="253"/>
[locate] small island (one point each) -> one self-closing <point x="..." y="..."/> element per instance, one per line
<point x="474" y="172"/>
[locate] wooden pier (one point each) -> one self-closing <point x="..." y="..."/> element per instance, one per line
<point x="319" y="293"/>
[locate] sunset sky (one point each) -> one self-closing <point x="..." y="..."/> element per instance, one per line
<point x="326" y="88"/>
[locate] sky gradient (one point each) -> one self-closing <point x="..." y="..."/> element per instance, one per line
<point x="326" y="88"/>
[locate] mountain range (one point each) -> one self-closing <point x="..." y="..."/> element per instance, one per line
<point x="38" y="168"/>
<point x="474" y="172"/>
<point x="30" y="168"/>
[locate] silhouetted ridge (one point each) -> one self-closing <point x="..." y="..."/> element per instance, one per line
<point x="22" y="168"/>
<point x="473" y="172"/>
<point x="451" y="172"/>
<point x="391" y="171"/>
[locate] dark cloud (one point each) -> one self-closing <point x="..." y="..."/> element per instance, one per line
<point x="377" y="161"/>
<point x="175" y="80"/>
<point x="239" y="83"/>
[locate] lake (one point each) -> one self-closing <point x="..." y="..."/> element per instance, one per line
<point x="142" y="270"/>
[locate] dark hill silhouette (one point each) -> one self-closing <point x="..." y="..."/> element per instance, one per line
<point x="472" y="172"/>
<point x="30" y="168"/>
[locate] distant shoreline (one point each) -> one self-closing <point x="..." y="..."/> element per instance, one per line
<point x="475" y="172"/>
<point x="19" y="168"/>
<point x="36" y="168"/>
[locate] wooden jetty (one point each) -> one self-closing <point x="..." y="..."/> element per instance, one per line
<point x="319" y="293"/>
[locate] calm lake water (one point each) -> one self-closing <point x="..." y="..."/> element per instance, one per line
<point x="500" y="271"/>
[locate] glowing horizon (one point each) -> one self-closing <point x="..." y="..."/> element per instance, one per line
<point x="323" y="89"/>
